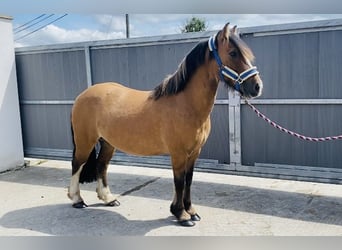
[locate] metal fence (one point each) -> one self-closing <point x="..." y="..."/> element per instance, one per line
<point x="300" y="65"/>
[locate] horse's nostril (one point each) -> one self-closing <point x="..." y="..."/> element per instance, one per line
<point x="257" y="87"/>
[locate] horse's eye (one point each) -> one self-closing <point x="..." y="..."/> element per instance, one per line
<point x="233" y="54"/>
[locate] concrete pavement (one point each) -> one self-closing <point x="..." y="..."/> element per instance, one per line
<point x="33" y="201"/>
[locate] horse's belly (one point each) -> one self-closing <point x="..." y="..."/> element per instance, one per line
<point x="138" y="147"/>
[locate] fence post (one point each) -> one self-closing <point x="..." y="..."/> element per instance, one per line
<point x="88" y="65"/>
<point x="234" y="128"/>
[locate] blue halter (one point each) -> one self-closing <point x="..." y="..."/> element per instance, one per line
<point x="228" y="72"/>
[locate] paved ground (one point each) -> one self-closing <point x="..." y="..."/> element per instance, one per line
<point x="33" y="201"/>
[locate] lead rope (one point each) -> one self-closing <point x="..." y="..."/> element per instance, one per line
<point x="303" y="137"/>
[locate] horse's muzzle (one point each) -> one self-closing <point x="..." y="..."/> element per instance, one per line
<point x="251" y="89"/>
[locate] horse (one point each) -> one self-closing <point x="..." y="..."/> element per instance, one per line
<point x="172" y="119"/>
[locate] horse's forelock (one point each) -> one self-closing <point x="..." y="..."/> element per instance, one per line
<point x="245" y="51"/>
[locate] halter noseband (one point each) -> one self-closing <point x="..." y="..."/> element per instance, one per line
<point x="228" y="72"/>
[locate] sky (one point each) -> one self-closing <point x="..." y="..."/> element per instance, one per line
<point x="93" y="27"/>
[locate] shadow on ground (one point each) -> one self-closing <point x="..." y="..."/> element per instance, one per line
<point x="63" y="220"/>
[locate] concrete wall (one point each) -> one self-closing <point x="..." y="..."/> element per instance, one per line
<point x="11" y="146"/>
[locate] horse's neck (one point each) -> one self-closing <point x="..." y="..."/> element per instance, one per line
<point x="201" y="93"/>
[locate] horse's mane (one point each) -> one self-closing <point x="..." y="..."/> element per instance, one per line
<point x="177" y="82"/>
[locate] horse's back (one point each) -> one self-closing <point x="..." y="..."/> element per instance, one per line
<point x="102" y="90"/>
<point x="110" y="95"/>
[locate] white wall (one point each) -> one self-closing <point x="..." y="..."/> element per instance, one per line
<point x="11" y="146"/>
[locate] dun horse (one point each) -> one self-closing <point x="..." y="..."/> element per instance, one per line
<point x="172" y="119"/>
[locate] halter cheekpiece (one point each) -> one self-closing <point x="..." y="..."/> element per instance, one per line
<point x="228" y="72"/>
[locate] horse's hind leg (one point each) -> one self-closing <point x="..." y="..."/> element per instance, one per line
<point x="83" y="168"/>
<point x="103" y="191"/>
<point x="78" y="163"/>
<point x="74" y="192"/>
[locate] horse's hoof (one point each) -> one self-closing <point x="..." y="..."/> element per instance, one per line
<point x="80" y="204"/>
<point x="187" y="223"/>
<point x="195" y="217"/>
<point x="114" y="203"/>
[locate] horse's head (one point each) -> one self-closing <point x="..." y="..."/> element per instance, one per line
<point x="234" y="59"/>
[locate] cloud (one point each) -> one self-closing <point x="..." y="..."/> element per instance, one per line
<point x="112" y="22"/>
<point x="156" y="24"/>
<point x="53" y="34"/>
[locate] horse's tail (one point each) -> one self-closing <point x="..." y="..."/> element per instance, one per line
<point x="88" y="173"/>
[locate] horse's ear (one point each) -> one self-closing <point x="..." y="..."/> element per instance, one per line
<point x="225" y="32"/>
<point x="235" y="30"/>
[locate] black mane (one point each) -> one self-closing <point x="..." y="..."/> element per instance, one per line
<point x="177" y="82"/>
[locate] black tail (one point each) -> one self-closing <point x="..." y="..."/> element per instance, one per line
<point x="89" y="172"/>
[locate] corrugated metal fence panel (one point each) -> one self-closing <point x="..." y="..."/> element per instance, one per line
<point x="46" y="126"/>
<point x="51" y="76"/>
<point x="296" y="66"/>
<point x="264" y="144"/>
<point x="330" y="64"/>
<point x="56" y="76"/>
<point x="217" y="145"/>
<point x="110" y="65"/>
<point x="141" y="67"/>
<point x="288" y="65"/>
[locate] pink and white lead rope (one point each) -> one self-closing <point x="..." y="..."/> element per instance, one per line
<point x="303" y="137"/>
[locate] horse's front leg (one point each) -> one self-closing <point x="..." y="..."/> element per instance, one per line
<point x="187" y="192"/>
<point x="177" y="208"/>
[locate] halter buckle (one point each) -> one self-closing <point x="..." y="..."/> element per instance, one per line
<point x="239" y="80"/>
